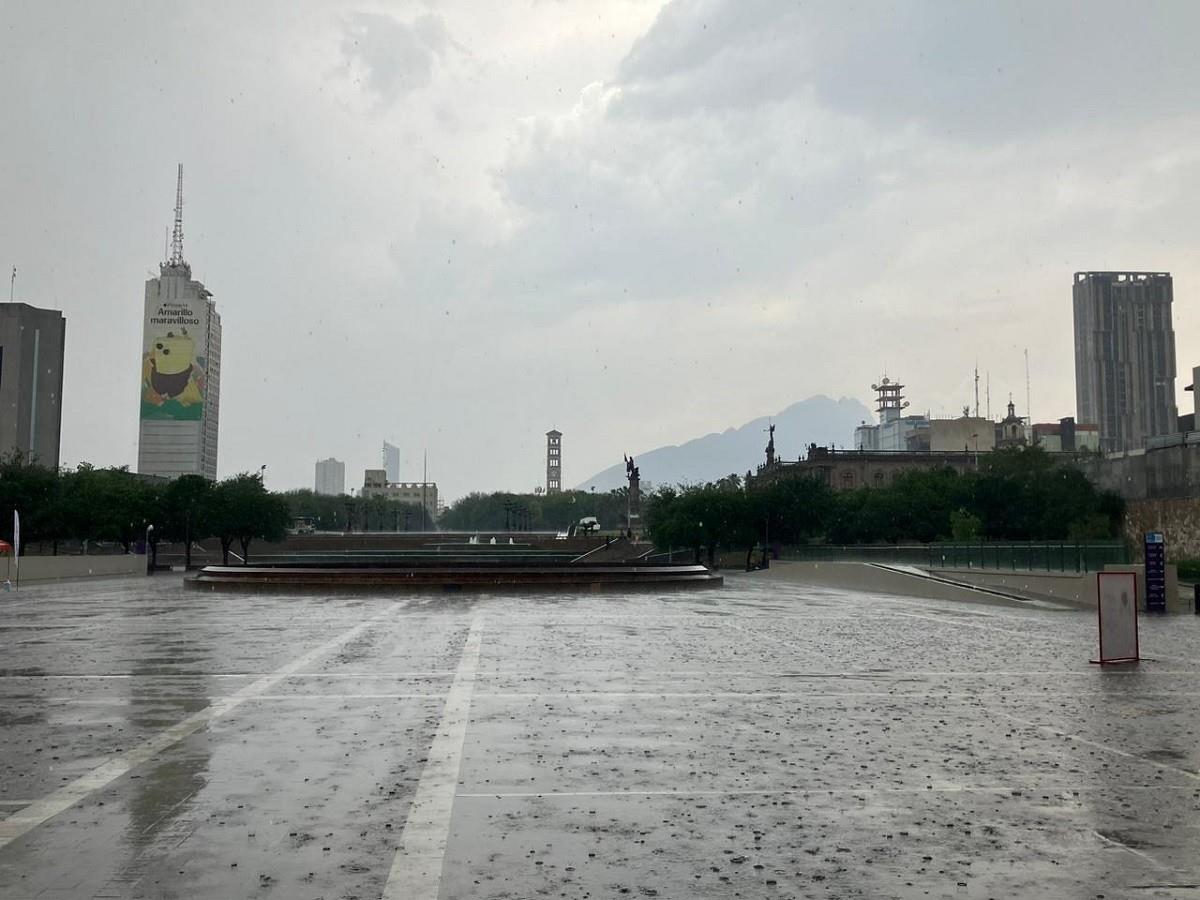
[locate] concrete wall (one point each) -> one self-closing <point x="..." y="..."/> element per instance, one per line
<point x="1062" y="586"/>
<point x="1178" y="519"/>
<point x="1157" y="472"/>
<point x="41" y="569"/>
<point x="1066" y="586"/>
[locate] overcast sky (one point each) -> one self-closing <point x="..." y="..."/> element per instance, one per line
<point x="457" y="225"/>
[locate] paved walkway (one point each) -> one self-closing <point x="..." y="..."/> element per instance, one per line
<point x="768" y="739"/>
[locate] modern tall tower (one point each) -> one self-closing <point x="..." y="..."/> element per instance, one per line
<point x="553" y="462"/>
<point x="32" y="342"/>
<point x="391" y="461"/>
<point x="1125" y="356"/>
<point x="181" y="368"/>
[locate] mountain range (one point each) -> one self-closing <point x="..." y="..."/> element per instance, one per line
<point x="817" y="420"/>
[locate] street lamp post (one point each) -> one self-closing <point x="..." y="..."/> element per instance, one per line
<point x="151" y="551"/>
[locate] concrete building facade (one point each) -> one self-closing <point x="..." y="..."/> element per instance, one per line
<point x="32" y="345"/>
<point x="847" y="470"/>
<point x="553" y="461"/>
<point x="1066" y="436"/>
<point x="330" y="477"/>
<point x="419" y="493"/>
<point x="181" y="369"/>
<point x="966" y="433"/>
<point x="1125" y="356"/>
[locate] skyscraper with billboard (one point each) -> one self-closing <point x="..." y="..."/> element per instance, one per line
<point x="181" y="368"/>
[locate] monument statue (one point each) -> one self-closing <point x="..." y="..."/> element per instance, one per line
<point x="633" y="501"/>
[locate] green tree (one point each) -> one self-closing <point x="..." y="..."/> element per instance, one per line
<point x="35" y="492"/>
<point x="187" y="511"/>
<point x="107" y="504"/>
<point x="241" y="509"/>
<point x="965" y="526"/>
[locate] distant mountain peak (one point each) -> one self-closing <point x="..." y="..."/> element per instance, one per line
<point x="818" y="420"/>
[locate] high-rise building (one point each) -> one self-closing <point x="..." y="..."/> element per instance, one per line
<point x="331" y="477"/>
<point x="32" y="341"/>
<point x="391" y="461"/>
<point x="181" y="368"/>
<point x="1125" y="356"/>
<point x="553" y="462"/>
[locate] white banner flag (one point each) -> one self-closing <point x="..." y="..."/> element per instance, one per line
<point x="17" y="543"/>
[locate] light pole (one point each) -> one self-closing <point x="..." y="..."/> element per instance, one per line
<point x="151" y="553"/>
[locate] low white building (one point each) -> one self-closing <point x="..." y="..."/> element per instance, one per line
<point x="419" y="493"/>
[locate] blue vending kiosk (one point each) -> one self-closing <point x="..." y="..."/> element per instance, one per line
<point x="1156" y="572"/>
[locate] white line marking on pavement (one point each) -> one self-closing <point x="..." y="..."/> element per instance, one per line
<point x="1121" y="845"/>
<point x="864" y="790"/>
<point x="69" y="794"/>
<point x="950" y="620"/>
<point x="416" y="872"/>
<point x="1099" y="746"/>
<point x="557" y="675"/>
<point x="919" y="694"/>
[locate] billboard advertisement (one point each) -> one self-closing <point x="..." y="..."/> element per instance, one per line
<point x="174" y="362"/>
<point x="1116" y="610"/>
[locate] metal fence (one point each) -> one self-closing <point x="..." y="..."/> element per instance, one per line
<point x="1044" y="556"/>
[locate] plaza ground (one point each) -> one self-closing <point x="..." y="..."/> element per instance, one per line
<point x="771" y="738"/>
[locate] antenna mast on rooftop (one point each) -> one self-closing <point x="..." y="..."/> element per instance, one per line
<point x="977" y="390"/>
<point x="1028" y="395"/>
<point x="177" y="234"/>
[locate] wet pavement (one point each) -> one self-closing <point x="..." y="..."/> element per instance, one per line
<point x="765" y="739"/>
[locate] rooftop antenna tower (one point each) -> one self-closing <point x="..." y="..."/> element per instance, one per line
<point x="989" y="396"/>
<point x="889" y="401"/>
<point x="977" y="390"/>
<point x="1028" y="400"/>
<point x="177" y="234"/>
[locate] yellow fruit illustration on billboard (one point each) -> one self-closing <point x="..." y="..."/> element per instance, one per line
<point x="172" y="378"/>
<point x="171" y="363"/>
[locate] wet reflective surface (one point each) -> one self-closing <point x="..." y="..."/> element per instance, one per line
<point x="766" y="739"/>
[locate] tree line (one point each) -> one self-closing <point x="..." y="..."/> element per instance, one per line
<point x="1016" y="494"/>
<point x="342" y="512"/>
<point x="536" y="512"/>
<point x="74" y="507"/>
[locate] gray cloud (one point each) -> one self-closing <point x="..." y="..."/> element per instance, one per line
<point x="394" y="57"/>
<point x="636" y="229"/>
<point x="973" y="71"/>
